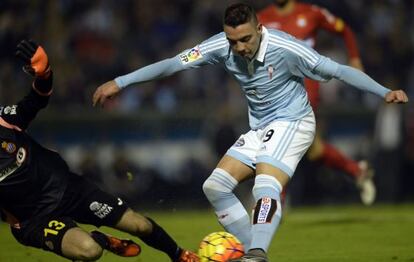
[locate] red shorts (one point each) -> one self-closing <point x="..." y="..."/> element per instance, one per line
<point x="312" y="88"/>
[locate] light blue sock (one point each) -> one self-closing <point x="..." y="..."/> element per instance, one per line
<point x="268" y="211"/>
<point x="231" y="214"/>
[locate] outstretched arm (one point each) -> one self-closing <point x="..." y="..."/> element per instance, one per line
<point x="154" y="71"/>
<point x="328" y="69"/>
<point x="19" y="116"/>
<point x="208" y="52"/>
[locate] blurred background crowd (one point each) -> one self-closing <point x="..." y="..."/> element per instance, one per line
<point x="156" y="143"/>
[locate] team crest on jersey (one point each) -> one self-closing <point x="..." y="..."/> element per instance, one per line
<point x="301" y="22"/>
<point x="270" y="70"/>
<point x="8" y="147"/>
<point x="193" y="55"/>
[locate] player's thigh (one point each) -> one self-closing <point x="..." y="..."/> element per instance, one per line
<point x="88" y="204"/>
<point x="45" y="233"/>
<point x="235" y="168"/>
<point x="280" y="175"/>
<point x="134" y="223"/>
<point x="283" y="145"/>
<point x="240" y="159"/>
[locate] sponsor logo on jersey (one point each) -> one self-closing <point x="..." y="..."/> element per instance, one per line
<point x="191" y="56"/>
<point x="100" y="210"/>
<point x="8" y="147"/>
<point x="8" y="110"/>
<point x="264" y="211"/>
<point x="20" y="156"/>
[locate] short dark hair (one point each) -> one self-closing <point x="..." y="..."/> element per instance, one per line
<point x="238" y="14"/>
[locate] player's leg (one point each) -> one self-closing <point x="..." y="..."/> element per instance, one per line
<point x="235" y="166"/>
<point x="153" y="235"/>
<point x="283" y="145"/>
<point x="267" y="190"/>
<point x="90" y="205"/>
<point x="78" y="244"/>
<point x="333" y="158"/>
<point x="60" y="235"/>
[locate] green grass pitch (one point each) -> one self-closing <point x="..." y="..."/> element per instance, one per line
<point x="344" y="233"/>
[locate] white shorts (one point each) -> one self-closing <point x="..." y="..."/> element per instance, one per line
<point x="281" y="144"/>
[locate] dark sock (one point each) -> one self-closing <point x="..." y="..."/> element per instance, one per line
<point x="100" y="238"/>
<point x="159" y="239"/>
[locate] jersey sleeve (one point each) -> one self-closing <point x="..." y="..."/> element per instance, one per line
<point x="349" y="75"/>
<point x="18" y="116"/>
<point x="302" y="60"/>
<point x="336" y="25"/>
<point x="200" y="55"/>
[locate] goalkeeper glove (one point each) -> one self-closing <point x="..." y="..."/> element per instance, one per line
<point x="35" y="59"/>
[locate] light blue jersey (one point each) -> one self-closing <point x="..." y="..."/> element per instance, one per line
<point x="272" y="81"/>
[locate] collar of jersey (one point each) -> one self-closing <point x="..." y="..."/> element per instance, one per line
<point x="263" y="45"/>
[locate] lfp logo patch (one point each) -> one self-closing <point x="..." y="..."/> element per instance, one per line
<point x="191" y="56"/>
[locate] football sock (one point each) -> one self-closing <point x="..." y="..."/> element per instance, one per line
<point x="331" y="157"/>
<point x="100" y="238"/>
<point x="230" y="212"/>
<point x="159" y="239"/>
<point x="268" y="211"/>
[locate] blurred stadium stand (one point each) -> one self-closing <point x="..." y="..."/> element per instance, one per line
<point x="156" y="144"/>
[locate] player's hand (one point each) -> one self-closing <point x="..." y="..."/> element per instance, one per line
<point x="104" y="92"/>
<point x="356" y="63"/>
<point x="34" y="57"/>
<point x="397" y="96"/>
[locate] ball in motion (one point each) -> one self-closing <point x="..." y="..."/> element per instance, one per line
<point x="220" y="247"/>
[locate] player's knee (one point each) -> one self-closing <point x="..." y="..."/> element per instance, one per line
<point x="211" y="189"/>
<point x="208" y="186"/>
<point x="134" y="223"/>
<point x="219" y="184"/>
<point x="89" y="250"/>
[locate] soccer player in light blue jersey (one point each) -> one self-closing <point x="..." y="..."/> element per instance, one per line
<point x="270" y="66"/>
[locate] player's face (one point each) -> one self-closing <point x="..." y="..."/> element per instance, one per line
<point x="245" y="38"/>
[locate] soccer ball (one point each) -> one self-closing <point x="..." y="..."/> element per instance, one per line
<point x="220" y="247"/>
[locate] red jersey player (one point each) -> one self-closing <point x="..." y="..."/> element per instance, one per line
<point x="303" y="21"/>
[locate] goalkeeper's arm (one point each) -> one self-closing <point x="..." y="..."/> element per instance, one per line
<point x="18" y="116"/>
